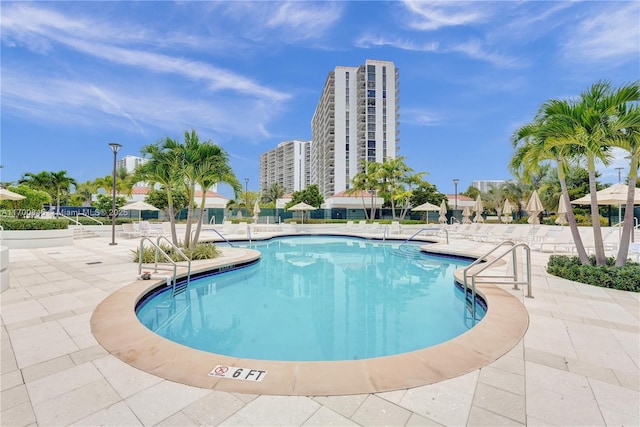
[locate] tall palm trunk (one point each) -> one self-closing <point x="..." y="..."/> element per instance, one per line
<point x="187" y="233"/>
<point x="203" y="200"/>
<point x="595" y="215"/>
<point x="571" y="219"/>
<point x="627" y="229"/>
<point x="172" y="216"/>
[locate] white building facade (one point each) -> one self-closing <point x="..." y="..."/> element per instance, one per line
<point x="287" y="165"/>
<point x="485" y="185"/>
<point x="356" y="119"/>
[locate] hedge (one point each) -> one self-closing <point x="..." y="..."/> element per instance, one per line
<point x="625" y="278"/>
<point x="34" y="224"/>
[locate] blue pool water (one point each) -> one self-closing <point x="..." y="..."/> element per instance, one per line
<point x="318" y="298"/>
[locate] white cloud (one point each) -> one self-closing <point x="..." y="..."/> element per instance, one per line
<point x="420" y="117"/>
<point x="433" y="15"/>
<point x="610" y="33"/>
<point x="368" y="40"/>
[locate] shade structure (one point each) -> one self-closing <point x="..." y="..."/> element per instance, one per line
<point x="426" y="207"/>
<point x="614" y="195"/>
<point x="10" y="195"/>
<point x="139" y="206"/>
<point x="442" y="219"/>
<point x="466" y="213"/>
<point x="533" y="208"/>
<point x="301" y="207"/>
<point x="507" y="210"/>
<point x="562" y="211"/>
<point x="256" y="211"/>
<point x="478" y="208"/>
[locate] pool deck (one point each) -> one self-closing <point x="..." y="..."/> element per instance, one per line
<point x="577" y="364"/>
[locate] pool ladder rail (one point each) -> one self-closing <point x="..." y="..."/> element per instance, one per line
<point x="472" y="273"/>
<point x="176" y="288"/>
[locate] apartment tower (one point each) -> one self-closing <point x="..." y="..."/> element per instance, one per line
<point x="287" y="165"/>
<point x="356" y="119"/>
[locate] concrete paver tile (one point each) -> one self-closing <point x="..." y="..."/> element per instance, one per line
<point x="418" y="420"/>
<point x="439" y="403"/>
<point x="125" y="379"/>
<point x="13" y="397"/>
<point x="49" y="367"/>
<point x="599" y="346"/>
<point x="343" y="405"/>
<point x="375" y="411"/>
<point x="619" y="405"/>
<point x="504" y="380"/>
<point x="326" y="417"/>
<point x="213" y="408"/>
<point x="501" y="402"/>
<point x="546" y="359"/>
<point x="76" y="404"/>
<point x="62" y="382"/>
<point x="22" y="310"/>
<point x="20" y="415"/>
<point x="162" y="400"/>
<point x="10" y="380"/>
<point x="630" y="380"/>
<point x="557" y="381"/>
<point x="179" y="419"/>
<point x="557" y="409"/>
<point x="483" y="417"/>
<point x="116" y="415"/>
<point x="278" y="410"/>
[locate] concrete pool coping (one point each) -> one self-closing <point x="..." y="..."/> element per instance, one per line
<point x="116" y="327"/>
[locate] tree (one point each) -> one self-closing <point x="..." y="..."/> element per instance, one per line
<point x="159" y="199"/>
<point x="395" y="182"/>
<point x="56" y="184"/>
<point x="426" y="192"/>
<point x="471" y="192"/>
<point x="310" y="195"/>
<point x="104" y="203"/>
<point x="31" y="205"/>
<point x="83" y="195"/>
<point x="590" y="127"/>
<point x="366" y="182"/>
<point x="273" y="193"/>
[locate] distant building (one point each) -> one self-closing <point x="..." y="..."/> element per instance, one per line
<point x="287" y="165"/>
<point x="485" y="185"/>
<point x="356" y="119"/>
<point x="129" y="163"/>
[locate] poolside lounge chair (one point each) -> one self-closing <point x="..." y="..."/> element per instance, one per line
<point x="146" y="230"/>
<point x="129" y="231"/>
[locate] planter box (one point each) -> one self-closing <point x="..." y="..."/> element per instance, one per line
<point x="26" y="239"/>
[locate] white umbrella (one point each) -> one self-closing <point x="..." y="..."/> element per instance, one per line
<point x="507" y="210"/>
<point x="562" y="212"/>
<point x="442" y="219"/>
<point x="10" y="195"/>
<point x="426" y="207"/>
<point x="466" y="213"/>
<point x="256" y="212"/>
<point x="478" y="208"/>
<point x="614" y="195"/>
<point x="139" y="206"/>
<point x="533" y="208"/>
<point x="302" y="206"/>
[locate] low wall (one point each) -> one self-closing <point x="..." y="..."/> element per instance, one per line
<point x="26" y="239"/>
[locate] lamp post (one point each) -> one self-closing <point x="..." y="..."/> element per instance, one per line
<point x="115" y="147"/>
<point x="246" y="194"/>
<point x="455" y="201"/>
<point x="619" y="169"/>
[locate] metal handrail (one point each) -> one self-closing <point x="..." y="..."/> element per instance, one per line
<point x="159" y="250"/>
<point x="426" y="229"/>
<point x="66" y="217"/>
<point x="91" y="218"/>
<point x="488" y="264"/>
<point x="215" y="231"/>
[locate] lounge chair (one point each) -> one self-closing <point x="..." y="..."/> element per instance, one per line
<point x="146" y="230"/>
<point x="129" y="231"/>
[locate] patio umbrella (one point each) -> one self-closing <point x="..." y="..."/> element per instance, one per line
<point x="507" y="210"/>
<point x="139" y="206"/>
<point x="616" y="195"/>
<point x="478" y="208"/>
<point x="301" y="207"/>
<point x="10" y="195"/>
<point x="256" y="212"/>
<point x="533" y="208"/>
<point x="466" y="213"/>
<point x="442" y="219"/>
<point x="426" y="207"/>
<point x="562" y="212"/>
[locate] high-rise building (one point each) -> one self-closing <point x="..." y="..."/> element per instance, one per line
<point x="486" y="184"/>
<point x="287" y="165"/>
<point x="355" y="120"/>
<point x="129" y="163"/>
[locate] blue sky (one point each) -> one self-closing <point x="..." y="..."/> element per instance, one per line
<point x="248" y="75"/>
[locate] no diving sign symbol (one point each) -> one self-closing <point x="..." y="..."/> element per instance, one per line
<point x="235" y="373"/>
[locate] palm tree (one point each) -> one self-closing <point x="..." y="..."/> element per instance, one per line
<point x="628" y="138"/>
<point x="56" y="184"/>
<point x="162" y="168"/>
<point x="212" y="168"/>
<point x="532" y="149"/>
<point x="367" y="181"/>
<point x="589" y="125"/>
<point x="273" y="193"/>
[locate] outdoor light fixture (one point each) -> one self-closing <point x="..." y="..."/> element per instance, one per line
<point x="455" y="202"/>
<point x="115" y="147"/>
<point x="246" y="194"/>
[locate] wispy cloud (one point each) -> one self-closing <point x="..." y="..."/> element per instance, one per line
<point x="421" y="117"/>
<point x="433" y="15"/>
<point x="369" y="40"/>
<point x="608" y="33"/>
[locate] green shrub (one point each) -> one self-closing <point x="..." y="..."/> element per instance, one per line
<point x="625" y="278"/>
<point x="34" y="224"/>
<point x="201" y="251"/>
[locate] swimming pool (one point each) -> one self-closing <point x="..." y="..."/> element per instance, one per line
<point x="318" y="299"/>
